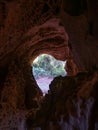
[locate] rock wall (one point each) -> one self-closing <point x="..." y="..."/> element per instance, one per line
<point x="71" y="104"/>
<point x="67" y="30"/>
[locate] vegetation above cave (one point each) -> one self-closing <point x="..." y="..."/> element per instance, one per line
<point x="47" y="66"/>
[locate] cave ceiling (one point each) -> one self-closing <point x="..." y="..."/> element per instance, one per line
<point x="29" y="26"/>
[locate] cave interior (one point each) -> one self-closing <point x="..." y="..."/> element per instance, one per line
<point x="65" y="29"/>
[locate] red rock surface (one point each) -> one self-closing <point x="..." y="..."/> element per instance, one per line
<point x="67" y="30"/>
<point x="70" y="104"/>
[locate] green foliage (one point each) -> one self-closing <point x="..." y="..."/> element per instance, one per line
<point x="47" y="66"/>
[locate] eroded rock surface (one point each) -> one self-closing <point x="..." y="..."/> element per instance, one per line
<point x="67" y="30"/>
<point x="71" y="104"/>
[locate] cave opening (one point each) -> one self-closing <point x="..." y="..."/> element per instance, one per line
<point x="45" y="68"/>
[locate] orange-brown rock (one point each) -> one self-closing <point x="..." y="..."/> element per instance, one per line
<point x="65" y="29"/>
<point x="70" y="104"/>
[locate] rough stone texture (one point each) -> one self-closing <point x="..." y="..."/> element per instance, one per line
<point x="83" y="36"/>
<point x="70" y="104"/>
<point x="66" y="29"/>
